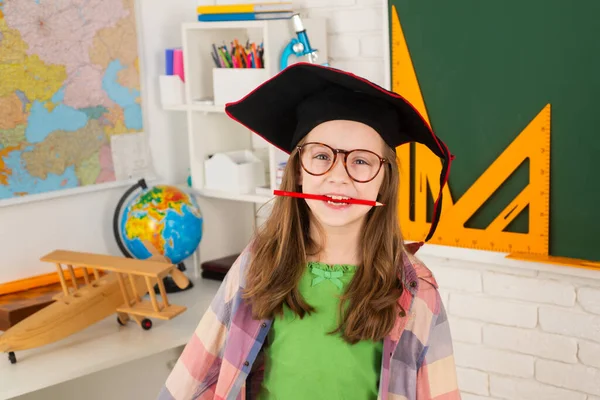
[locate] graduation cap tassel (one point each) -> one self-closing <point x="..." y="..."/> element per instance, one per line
<point x="437" y="209"/>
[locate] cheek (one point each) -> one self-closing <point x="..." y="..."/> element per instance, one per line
<point x="309" y="182"/>
<point x="370" y="190"/>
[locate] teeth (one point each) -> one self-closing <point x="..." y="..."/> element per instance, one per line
<point x="337" y="203"/>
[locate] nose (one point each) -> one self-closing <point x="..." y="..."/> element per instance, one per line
<point x="337" y="173"/>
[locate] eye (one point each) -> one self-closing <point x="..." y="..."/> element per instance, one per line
<point x="322" y="156"/>
<point x="360" y="161"/>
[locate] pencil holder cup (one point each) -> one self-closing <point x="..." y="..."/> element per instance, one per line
<point x="231" y="84"/>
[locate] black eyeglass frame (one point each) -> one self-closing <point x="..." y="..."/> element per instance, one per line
<point x="345" y="153"/>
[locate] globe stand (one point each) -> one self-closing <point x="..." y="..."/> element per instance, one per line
<point x="170" y="286"/>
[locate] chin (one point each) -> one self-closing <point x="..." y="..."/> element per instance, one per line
<point x="335" y="218"/>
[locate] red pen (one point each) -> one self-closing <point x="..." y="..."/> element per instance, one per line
<point x="327" y="198"/>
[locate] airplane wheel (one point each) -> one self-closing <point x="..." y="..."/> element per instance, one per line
<point x="12" y="358"/>
<point x="146" y="324"/>
<point x="119" y="321"/>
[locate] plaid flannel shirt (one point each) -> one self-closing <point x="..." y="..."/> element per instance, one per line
<point x="222" y="359"/>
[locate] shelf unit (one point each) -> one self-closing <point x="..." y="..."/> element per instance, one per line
<point x="231" y="218"/>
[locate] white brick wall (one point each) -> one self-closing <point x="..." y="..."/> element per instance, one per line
<point x="571" y="376"/>
<point x="354" y="28"/>
<point x="571" y="322"/>
<point x="533" y="335"/>
<point x="519" y="333"/>
<point x="529" y="341"/>
<point x="466" y="330"/>
<point x="465" y="280"/>
<point x="499" y="311"/>
<point x="589" y="299"/>
<point x="469" y="396"/>
<point x="489" y="359"/>
<point x="509" y="388"/>
<point x="529" y="289"/>
<point x="589" y="353"/>
<point x="473" y="381"/>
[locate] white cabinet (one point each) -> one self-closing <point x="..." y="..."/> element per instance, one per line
<point x="230" y="218"/>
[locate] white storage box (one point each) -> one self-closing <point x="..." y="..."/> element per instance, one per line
<point x="171" y="90"/>
<point x="231" y="84"/>
<point x="234" y="172"/>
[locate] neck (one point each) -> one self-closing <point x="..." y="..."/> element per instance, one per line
<point x="339" y="245"/>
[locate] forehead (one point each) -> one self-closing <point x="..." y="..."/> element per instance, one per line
<point x="347" y="135"/>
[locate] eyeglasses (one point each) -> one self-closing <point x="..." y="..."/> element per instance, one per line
<point x="361" y="165"/>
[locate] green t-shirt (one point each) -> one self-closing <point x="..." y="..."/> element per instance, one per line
<point x="302" y="361"/>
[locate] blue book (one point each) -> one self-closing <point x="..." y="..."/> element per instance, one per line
<point x="169" y="61"/>
<point x="244" y="16"/>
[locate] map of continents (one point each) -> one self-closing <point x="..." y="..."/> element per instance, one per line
<point x="69" y="80"/>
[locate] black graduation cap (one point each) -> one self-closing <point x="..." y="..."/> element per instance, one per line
<point x="286" y="107"/>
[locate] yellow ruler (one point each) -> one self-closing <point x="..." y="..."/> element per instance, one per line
<point x="557" y="260"/>
<point x="533" y="143"/>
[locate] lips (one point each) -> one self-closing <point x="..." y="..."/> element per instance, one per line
<point x="337" y="198"/>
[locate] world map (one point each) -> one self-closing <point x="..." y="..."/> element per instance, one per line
<point x="69" y="81"/>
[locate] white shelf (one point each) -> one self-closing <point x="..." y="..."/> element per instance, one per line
<point x="208" y="108"/>
<point x="247" y="197"/>
<point x="217" y="194"/>
<point x="231" y="219"/>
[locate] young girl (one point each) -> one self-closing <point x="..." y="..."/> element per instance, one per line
<point x="326" y="302"/>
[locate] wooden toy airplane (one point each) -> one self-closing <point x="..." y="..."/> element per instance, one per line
<point x="119" y="290"/>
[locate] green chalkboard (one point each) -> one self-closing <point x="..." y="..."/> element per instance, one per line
<point x="486" y="69"/>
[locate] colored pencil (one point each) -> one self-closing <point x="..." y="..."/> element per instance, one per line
<point x="326" y="198"/>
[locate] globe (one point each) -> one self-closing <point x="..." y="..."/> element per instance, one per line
<point x="165" y="216"/>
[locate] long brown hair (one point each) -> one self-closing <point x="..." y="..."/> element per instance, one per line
<point x="279" y="254"/>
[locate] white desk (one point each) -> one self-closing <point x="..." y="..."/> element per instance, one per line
<point x="104" y="345"/>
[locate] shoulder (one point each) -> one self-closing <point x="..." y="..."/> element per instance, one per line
<point x="415" y="270"/>
<point x="422" y="285"/>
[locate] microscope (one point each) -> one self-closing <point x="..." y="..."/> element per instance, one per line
<point x="298" y="46"/>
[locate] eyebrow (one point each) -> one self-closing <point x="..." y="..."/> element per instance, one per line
<point x="342" y="148"/>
